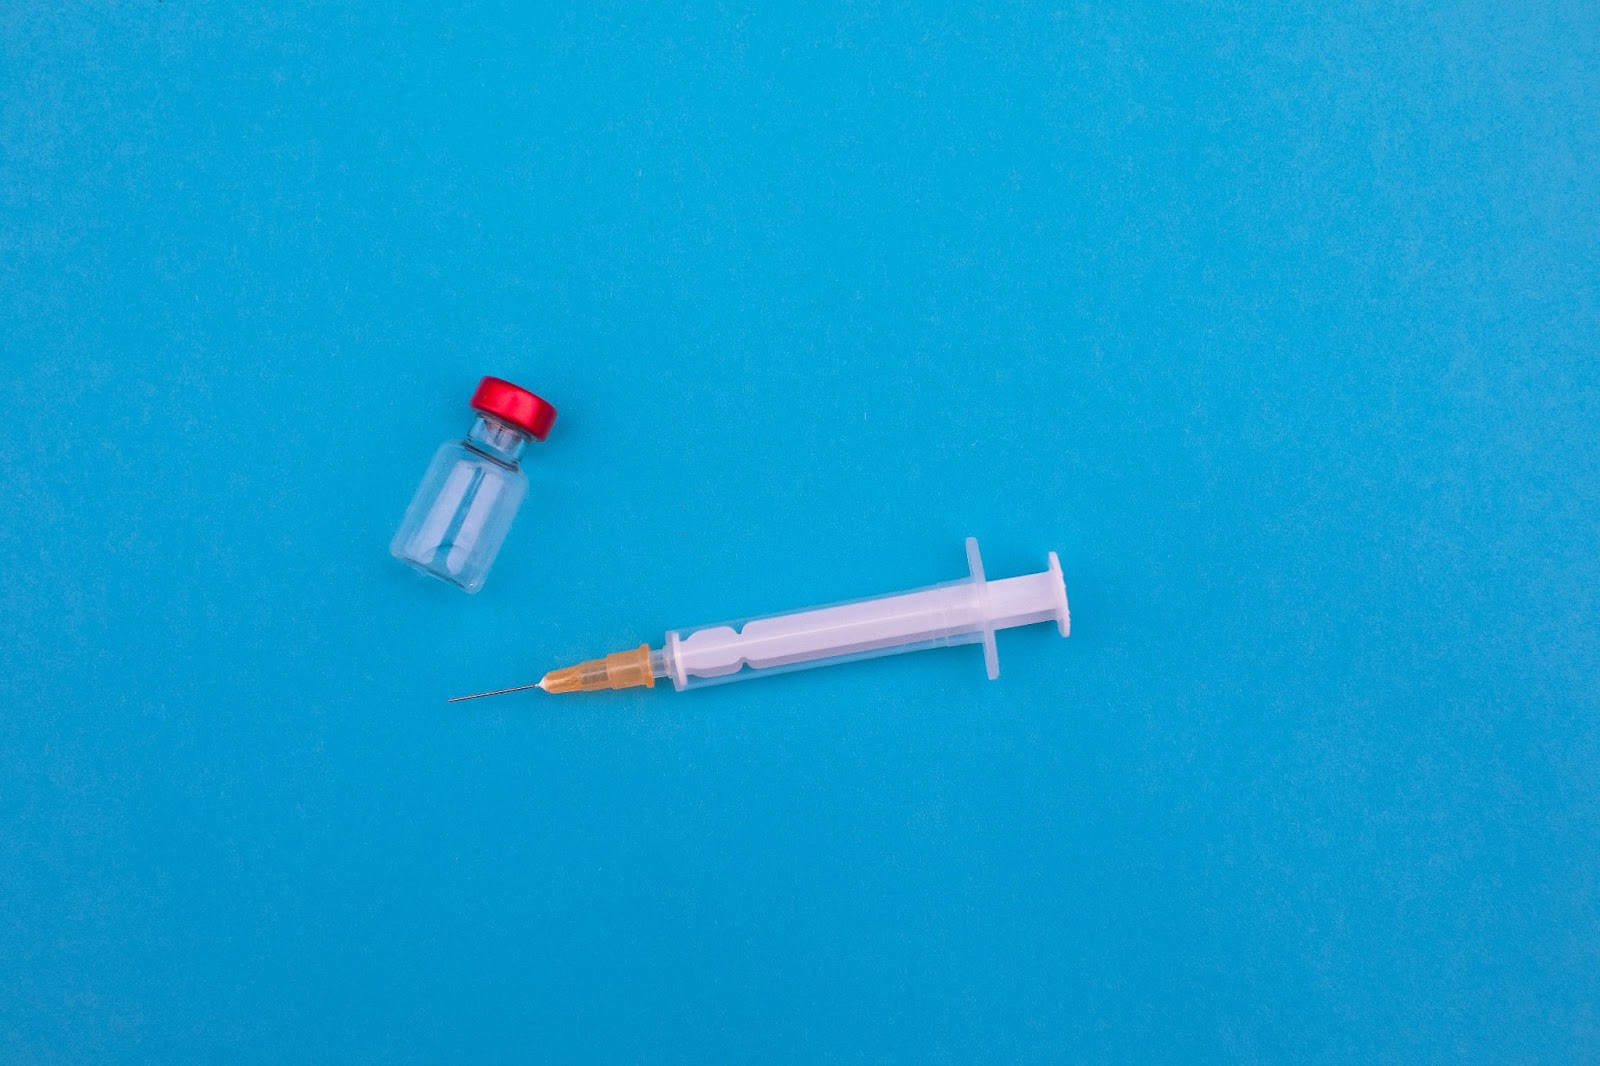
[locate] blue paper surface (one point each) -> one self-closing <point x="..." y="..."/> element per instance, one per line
<point x="1279" y="323"/>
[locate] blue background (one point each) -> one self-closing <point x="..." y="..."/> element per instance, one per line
<point x="1281" y="327"/>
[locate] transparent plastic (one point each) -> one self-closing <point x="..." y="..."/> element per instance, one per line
<point x="465" y="504"/>
<point x="967" y="611"/>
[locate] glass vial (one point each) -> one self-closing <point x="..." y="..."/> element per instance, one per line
<point x="465" y="505"/>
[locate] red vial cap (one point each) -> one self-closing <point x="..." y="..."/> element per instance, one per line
<point x="514" y="405"/>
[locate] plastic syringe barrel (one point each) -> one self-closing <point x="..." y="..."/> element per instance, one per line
<point x="967" y="611"/>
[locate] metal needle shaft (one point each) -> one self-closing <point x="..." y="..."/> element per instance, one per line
<point x="496" y="692"/>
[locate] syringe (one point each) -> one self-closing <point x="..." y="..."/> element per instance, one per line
<point x="965" y="611"/>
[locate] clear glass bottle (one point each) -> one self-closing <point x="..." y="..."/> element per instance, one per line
<point x="464" y="507"/>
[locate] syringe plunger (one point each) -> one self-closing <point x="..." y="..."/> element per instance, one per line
<point x="966" y="611"/>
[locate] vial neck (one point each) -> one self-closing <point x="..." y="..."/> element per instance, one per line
<point x="497" y="440"/>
